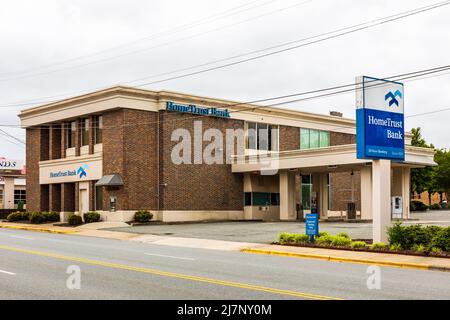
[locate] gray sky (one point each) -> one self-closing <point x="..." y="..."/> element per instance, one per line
<point x="39" y="39"/>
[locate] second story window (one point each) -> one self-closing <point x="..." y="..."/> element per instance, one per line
<point x="71" y="129"/>
<point x="98" y="126"/>
<point x="311" y="139"/>
<point x="84" y="132"/>
<point x="262" y="136"/>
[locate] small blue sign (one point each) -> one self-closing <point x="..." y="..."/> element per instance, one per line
<point x="312" y="224"/>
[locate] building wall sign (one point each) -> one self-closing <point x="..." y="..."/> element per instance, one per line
<point x="7" y="164"/>
<point x="70" y="171"/>
<point x="213" y="112"/>
<point x="380" y="128"/>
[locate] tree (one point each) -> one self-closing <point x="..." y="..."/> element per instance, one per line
<point x="421" y="178"/>
<point x="442" y="171"/>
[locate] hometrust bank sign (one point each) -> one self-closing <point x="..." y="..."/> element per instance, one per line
<point x="191" y="108"/>
<point x="63" y="170"/>
<point x="80" y="172"/>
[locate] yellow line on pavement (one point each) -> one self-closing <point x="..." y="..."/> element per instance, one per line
<point x="37" y="229"/>
<point x="171" y="274"/>
<point x="338" y="259"/>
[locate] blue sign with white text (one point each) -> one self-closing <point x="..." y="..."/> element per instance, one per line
<point x="312" y="224"/>
<point x="380" y="129"/>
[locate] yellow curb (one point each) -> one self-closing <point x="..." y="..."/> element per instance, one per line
<point x="339" y="259"/>
<point x="37" y="229"/>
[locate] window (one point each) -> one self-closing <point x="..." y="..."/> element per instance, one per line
<point x="261" y="199"/>
<point x="20" y="195"/>
<point x="311" y="139"/>
<point x="306" y="191"/>
<point x="71" y="129"/>
<point x="84" y="132"/>
<point x="98" y="198"/>
<point x="262" y="136"/>
<point x="1" y="198"/>
<point x="98" y="126"/>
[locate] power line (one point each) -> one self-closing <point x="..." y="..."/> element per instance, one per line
<point x="405" y="76"/>
<point x="176" y="29"/>
<point x="361" y="27"/>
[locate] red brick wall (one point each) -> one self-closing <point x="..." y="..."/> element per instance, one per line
<point x="337" y="138"/>
<point x="197" y="186"/>
<point x="289" y="138"/>
<point x="341" y="194"/>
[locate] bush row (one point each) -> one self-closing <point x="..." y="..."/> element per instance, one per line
<point x="34" y="217"/>
<point x="417" y="205"/>
<point x="419" y="238"/>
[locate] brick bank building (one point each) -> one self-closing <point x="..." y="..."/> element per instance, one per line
<point x="110" y="151"/>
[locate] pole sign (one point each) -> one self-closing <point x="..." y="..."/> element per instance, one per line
<point x="312" y="225"/>
<point x="380" y="130"/>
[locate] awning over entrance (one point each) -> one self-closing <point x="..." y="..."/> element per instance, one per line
<point x="113" y="180"/>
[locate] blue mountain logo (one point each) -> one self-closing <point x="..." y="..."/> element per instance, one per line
<point x="393" y="97"/>
<point x="82" y="170"/>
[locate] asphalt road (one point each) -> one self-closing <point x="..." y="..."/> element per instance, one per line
<point x="267" y="232"/>
<point x="34" y="266"/>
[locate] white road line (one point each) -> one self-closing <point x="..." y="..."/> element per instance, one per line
<point x="164" y="256"/>
<point x="7" y="272"/>
<point x="21" y="237"/>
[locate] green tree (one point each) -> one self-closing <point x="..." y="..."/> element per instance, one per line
<point x="442" y="171"/>
<point x="421" y="178"/>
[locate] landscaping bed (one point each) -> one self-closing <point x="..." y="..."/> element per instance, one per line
<point x="430" y="241"/>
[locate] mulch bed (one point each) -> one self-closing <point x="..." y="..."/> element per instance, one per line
<point x="402" y="252"/>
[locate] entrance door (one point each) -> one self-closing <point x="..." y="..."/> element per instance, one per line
<point x="84" y="201"/>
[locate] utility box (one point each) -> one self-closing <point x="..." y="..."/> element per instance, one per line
<point x="397" y="207"/>
<point x="351" y="211"/>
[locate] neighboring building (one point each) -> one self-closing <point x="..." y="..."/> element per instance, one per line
<point x="425" y="198"/>
<point x="112" y="151"/>
<point x="12" y="184"/>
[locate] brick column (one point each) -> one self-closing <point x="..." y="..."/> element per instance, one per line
<point x="63" y="140"/>
<point x="77" y="196"/>
<point x="91" y="135"/>
<point x="68" y="197"/>
<point x="55" y="197"/>
<point x="77" y="138"/>
<point x="55" y="142"/>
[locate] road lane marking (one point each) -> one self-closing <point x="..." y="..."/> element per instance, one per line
<point x="7" y="272"/>
<point x="165" y="256"/>
<point x="172" y="274"/>
<point x="21" y="237"/>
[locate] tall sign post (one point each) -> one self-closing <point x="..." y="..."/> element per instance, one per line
<point x="380" y="136"/>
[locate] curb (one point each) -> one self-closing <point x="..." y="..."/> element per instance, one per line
<point x="37" y="229"/>
<point x="351" y="260"/>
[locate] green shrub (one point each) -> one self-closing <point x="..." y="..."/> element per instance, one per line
<point x="418" y="248"/>
<point x="91" y="217"/>
<point x="378" y="246"/>
<point x="435" y="206"/>
<point x="436" y="250"/>
<point x="325" y="240"/>
<point x="395" y="247"/>
<point x="417" y="205"/>
<point x="26" y="215"/>
<point x="74" y="220"/>
<point x="37" y="217"/>
<point x="285" y="237"/>
<point x="408" y="236"/>
<point x="143" y="216"/>
<point x="301" y="238"/>
<point x="15" y="216"/>
<point x="441" y="239"/>
<point x="20" y="205"/>
<point x="323" y="233"/>
<point x="344" y="235"/>
<point x="51" y="216"/>
<point x="358" y="244"/>
<point x="340" y="241"/>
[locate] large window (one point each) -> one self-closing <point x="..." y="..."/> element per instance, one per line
<point x="20" y="195"/>
<point x="261" y="199"/>
<point x="71" y="129"/>
<point x="84" y="130"/>
<point x="98" y="127"/>
<point x="262" y="136"/>
<point x="306" y="191"/>
<point x="311" y="139"/>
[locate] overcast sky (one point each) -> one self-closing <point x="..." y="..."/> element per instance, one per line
<point x="120" y="41"/>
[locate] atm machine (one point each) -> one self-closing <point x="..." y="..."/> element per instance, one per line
<point x="397" y="207"/>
